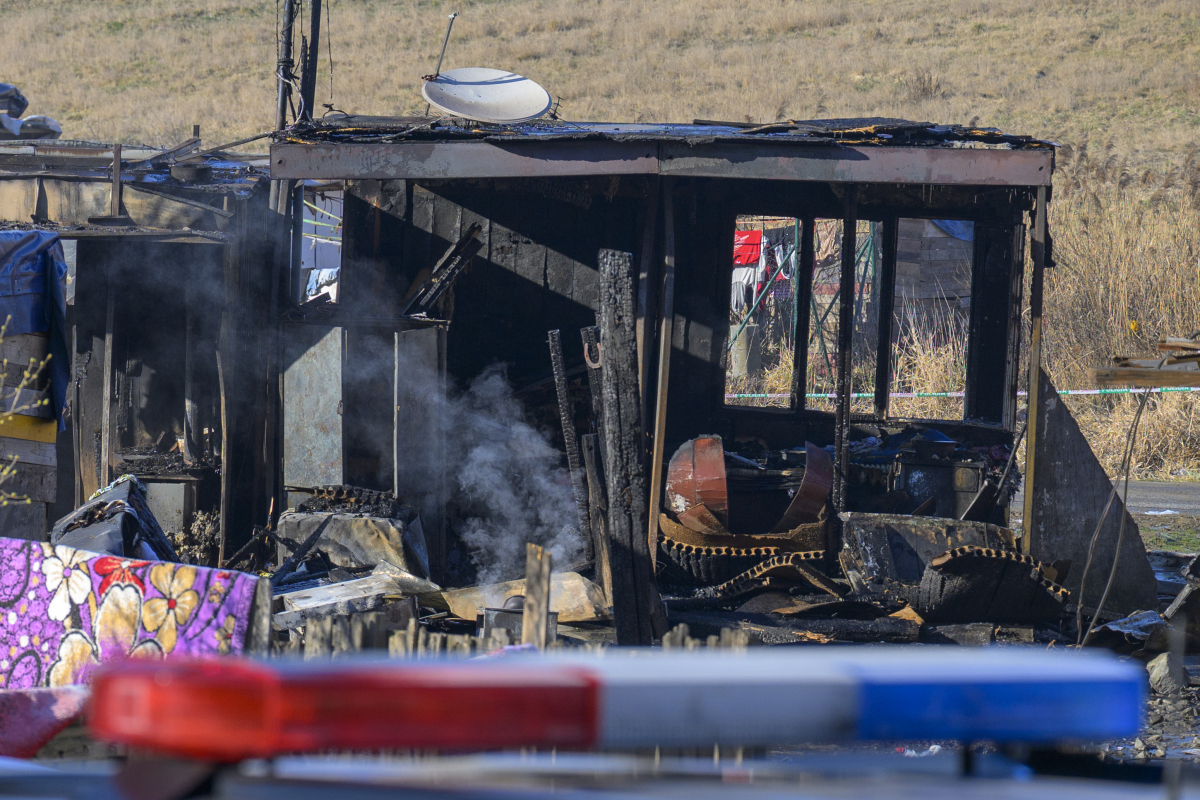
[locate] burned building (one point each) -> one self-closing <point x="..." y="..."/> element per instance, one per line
<point x="544" y="200"/>
<point x="167" y="314"/>
<point x="233" y="371"/>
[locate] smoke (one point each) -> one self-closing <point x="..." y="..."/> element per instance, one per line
<point x="507" y="481"/>
<point x="511" y="485"/>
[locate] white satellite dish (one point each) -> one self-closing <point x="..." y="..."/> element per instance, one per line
<point x="487" y="95"/>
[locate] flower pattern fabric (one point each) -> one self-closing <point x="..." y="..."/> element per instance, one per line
<point x="63" y="612"/>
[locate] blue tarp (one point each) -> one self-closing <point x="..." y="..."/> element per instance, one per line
<point x="33" y="274"/>
<point x="957" y="228"/>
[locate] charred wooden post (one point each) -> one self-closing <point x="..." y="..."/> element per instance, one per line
<point x="535" y="616"/>
<point x="570" y="440"/>
<point x="1036" y="284"/>
<point x="598" y="512"/>
<point x="845" y="347"/>
<point x="887" y="298"/>
<point x="104" y="471"/>
<point x="594" y="362"/>
<point x="115" y="206"/>
<point x="647" y="296"/>
<point x="666" y="331"/>
<point x="805" y="265"/>
<point x="631" y="572"/>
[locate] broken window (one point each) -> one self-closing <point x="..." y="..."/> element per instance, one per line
<point x="321" y="250"/>
<point x="762" y="312"/>
<point x="930" y="315"/>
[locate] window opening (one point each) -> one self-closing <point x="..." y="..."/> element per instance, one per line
<point x="930" y="318"/>
<point x="762" y="312"/>
<point x="321" y="253"/>
<point x="825" y="299"/>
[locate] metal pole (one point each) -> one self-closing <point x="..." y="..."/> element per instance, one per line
<point x="284" y="65"/>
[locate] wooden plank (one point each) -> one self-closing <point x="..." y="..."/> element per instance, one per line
<point x="570" y="437"/>
<point x="572" y="596"/>
<point x="666" y="329"/>
<point x="633" y="581"/>
<point x="361" y="594"/>
<point x="33" y="429"/>
<point x="1178" y="343"/>
<point x="535" y="615"/>
<point x="647" y="293"/>
<point x="317" y="635"/>
<point x="1016" y="287"/>
<point x="258" y="632"/>
<point x="598" y="510"/>
<point x="27" y="452"/>
<point x="1113" y="377"/>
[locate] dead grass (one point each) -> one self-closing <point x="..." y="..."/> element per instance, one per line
<point x="1127" y="243"/>
<point x="146" y="70"/>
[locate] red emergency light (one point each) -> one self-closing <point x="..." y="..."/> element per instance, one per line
<point x="228" y="710"/>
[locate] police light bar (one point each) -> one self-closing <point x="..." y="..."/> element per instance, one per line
<point x="230" y="709"/>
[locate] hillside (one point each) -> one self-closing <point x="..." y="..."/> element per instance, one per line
<point x="146" y="70"/>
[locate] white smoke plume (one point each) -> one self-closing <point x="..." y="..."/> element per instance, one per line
<point x="510" y="481"/>
<point x="505" y="477"/>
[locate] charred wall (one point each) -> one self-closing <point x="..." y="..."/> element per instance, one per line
<point x="537" y="270"/>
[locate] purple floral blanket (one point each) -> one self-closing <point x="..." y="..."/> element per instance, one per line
<point x="64" y="611"/>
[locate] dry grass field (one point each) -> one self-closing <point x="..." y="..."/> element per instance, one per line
<point x="1119" y="80"/>
<point x="146" y="70"/>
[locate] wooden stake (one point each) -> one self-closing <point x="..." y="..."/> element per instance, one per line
<point x="535" y="620"/>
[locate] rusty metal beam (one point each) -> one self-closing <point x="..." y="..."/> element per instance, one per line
<point x="773" y="161"/>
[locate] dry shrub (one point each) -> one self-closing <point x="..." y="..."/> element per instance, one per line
<point x="929" y="357"/>
<point x="923" y="84"/>
<point x="1127" y="246"/>
<point x="1168" y="438"/>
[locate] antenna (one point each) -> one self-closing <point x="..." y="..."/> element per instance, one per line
<point x="487" y="95"/>
<point x="438" y="69"/>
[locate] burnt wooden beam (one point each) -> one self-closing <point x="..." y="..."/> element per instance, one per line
<point x="598" y="511"/>
<point x="1016" y="286"/>
<point x="624" y="457"/>
<point x="106" y="444"/>
<point x="593" y="362"/>
<point x="845" y="343"/>
<point x="570" y="438"/>
<point x="801" y="302"/>
<point x="647" y="297"/>
<point x="1036" y="284"/>
<point x="887" y="299"/>
<point x="666" y="330"/>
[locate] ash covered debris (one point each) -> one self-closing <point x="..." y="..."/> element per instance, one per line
<point x="883" y="577"/>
